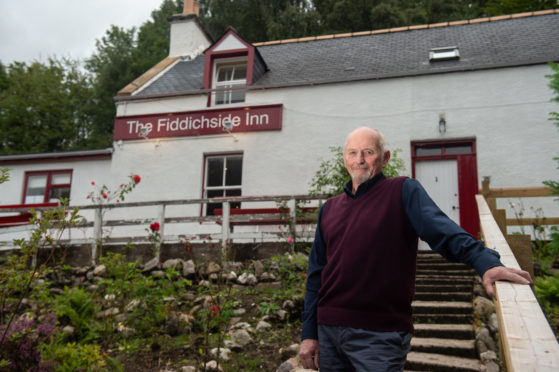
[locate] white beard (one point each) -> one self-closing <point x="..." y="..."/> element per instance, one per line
<point x="361" y="179"/>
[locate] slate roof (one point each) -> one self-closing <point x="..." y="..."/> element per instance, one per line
<point x="522" y="39"/>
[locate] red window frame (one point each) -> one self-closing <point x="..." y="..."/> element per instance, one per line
<point x="49" y="185"/>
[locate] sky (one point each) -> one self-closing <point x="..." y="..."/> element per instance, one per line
<point x="37" y="29"/>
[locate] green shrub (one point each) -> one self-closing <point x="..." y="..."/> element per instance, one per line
<point x="77" y="306"/>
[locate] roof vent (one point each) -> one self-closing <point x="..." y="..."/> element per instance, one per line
<point x="444" y="54"/>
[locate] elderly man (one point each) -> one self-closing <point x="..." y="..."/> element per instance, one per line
<point x="361" y="275"/>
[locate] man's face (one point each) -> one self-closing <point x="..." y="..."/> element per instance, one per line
<point x="362" y="157"/>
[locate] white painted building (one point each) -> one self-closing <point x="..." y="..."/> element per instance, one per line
<point x="462" y="100"/>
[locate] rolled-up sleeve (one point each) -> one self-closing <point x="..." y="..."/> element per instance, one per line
<point x="441" y="233"/>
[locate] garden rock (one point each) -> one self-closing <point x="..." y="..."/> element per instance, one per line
<point x="263" y="325"/>
<point x="241" y="337"/>
<point x="488" y="356"/>
<point x="100" y="270"/>
<point x="212" y="366"/>
<point x="258" y="268"/>
<point x="290" y="352"/>
<point x="188" y="268"/>
<point x="493" y="323"/>
<point x="132" y="305"/>
<point x="287" y="366"/>
<point x="224" y="354"/>
<point x="69" y="330"/>
<point x="212" y="268"/>
<point x="491" y="367"/>
<point x="483" y="335"/>
<point x="483" y="307"/>
<point x="151" y="264"/>
<point x="172" y="263"/>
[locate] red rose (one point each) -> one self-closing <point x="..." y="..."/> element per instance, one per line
<point x="154" y="226"/>
<point x="105" y="195"/>
<point x="215" y="310"/>
<point x="93" y="183"/>
<point x="136" y="178"/>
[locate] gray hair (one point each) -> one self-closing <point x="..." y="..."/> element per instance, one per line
<point x="381" y="142"/>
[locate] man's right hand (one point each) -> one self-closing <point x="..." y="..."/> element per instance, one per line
<point x="308" y="352"/>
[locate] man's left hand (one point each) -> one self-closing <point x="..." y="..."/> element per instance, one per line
<point x="504" y="273"/>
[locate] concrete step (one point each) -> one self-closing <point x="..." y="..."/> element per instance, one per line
<point x="455" y="347"/>
<point x="444" y="287"/>
<point x="443" y="318"/>
<point x="437" y="362"/>
<point x="430" y="265"/>
<point x="451" y="331"/>
<point x="443" y="279"/>
<point x="443" y="296"/>
<point x="463" y="273"/>
<point x="442" y="307"/>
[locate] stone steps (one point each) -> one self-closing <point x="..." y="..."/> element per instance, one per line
<point x="419" y="361"/>
<point x="450" y="331"/>
<point x="443" y="315"/>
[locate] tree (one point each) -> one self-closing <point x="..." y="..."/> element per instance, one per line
<point x="498" y="7"/>
<point x="122" y="56"/>
<point x="258" y="20"/>
<point x="41" y="107"/>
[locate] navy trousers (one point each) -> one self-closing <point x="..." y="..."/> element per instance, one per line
<point x="345" y="349"/>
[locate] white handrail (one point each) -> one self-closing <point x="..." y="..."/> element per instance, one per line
<point x="528" y="341"/>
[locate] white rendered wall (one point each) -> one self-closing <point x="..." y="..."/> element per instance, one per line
<point x="83" y="172"/>
<point x="506" y="110"/>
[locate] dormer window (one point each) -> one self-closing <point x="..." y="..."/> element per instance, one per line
<point x="230" y="82"/>
<point x="231" y="64"/>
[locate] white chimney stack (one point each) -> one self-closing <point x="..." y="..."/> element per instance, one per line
<point x="188" y="37"/>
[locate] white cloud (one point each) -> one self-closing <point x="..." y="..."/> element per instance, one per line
<point x="37" y="29"/>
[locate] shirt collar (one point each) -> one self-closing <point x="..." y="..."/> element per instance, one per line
<point x="363" y="188"/>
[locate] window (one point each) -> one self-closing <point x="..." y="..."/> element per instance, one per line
<point x="443" y="54"/>
<point x="47" y="186"/>
<point x="223" y="178"/>
<point x="230" y="82"/>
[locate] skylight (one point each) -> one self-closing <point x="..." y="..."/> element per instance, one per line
<point x="443" y="54"/>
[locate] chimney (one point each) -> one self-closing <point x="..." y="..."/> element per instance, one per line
<point x="188" y="37"/>
<point x="191" y="7"/>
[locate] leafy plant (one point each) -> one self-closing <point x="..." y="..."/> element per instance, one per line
<point x="77" y="306"/>
<point x="79" y="357"/>
<point x="547" y="292"/>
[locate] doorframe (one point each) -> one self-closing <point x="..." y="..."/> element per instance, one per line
<point x="467" y="175"/>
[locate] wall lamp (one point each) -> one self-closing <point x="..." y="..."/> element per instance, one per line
<point x="442" y="124"/>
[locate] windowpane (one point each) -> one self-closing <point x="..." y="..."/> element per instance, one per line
<point x="61" y="179"/>
<point x="215" y="172"/>
<point x="234" y="171"/>
<point x="234" y="192"/>
<point x="210" y="207"/>
<point x="237" y="96"/>
<point x="427" y="151"/>
<point x="58" y="193"/>
<point x="466" y="149"/>
<point x="36" y="186"/>
<point x="224" y="73"/>
<point x="240" y="72"/>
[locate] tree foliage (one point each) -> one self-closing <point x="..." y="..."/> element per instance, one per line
<point x="41" y="107"/>
<point x="257" y="20"/>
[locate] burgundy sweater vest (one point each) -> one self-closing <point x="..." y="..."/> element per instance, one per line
<point x="371" y="249"/>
